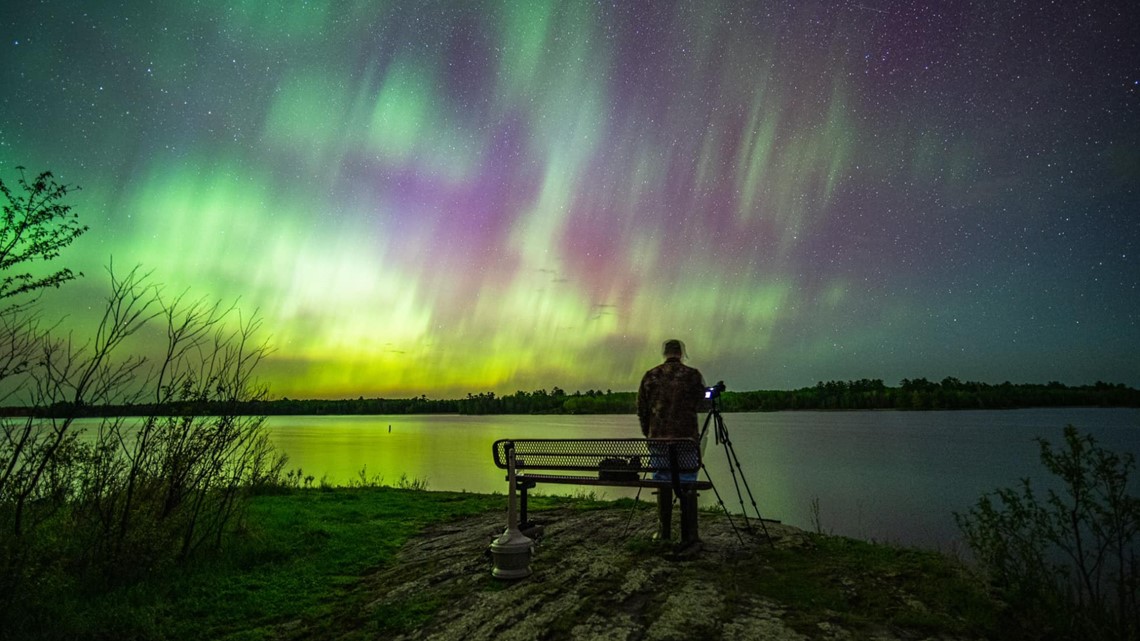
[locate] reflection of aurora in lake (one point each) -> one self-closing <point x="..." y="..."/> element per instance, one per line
<point x="891" y="476"/>
<point x="450" y="197"/>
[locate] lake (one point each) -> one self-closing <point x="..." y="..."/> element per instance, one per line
<point x="884" y="476"/>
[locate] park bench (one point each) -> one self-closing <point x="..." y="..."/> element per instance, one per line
<point x="616" y="462"/>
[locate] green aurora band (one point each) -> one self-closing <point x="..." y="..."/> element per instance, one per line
<point x="449" y="197"/>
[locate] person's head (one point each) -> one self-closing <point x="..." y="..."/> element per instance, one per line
<point x="673" y="348"/>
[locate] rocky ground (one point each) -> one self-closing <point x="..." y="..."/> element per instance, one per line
<point x="596" y="575"/>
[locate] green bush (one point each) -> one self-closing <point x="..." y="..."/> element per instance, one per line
<point x="1065" y="561"/>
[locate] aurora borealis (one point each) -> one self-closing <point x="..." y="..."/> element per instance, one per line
<point x="448" y="197"/>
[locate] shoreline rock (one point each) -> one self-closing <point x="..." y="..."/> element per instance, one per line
<point x="596" y="576"/>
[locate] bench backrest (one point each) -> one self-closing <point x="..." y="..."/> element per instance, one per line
<point x="589" y="454"/>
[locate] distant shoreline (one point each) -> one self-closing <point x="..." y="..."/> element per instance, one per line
<point x="910" y="395"/>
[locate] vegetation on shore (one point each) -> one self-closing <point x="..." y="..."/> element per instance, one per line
<point x="130" y="500"/>
<point x="301" y="557"/>
<point x="296" y="563"/>
<point x="1066" y="559"/>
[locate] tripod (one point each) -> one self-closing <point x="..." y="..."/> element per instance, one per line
<point x="720" y="432"/>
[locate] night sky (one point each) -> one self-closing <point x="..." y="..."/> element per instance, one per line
<point x="449" y="197"/>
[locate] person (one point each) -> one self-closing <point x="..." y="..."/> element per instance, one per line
<point x="669" y="396"/>
<point x="667" y="403"/>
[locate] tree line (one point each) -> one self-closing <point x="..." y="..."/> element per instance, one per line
<point x="865" y="394"/>
<point x="922" y="394"/>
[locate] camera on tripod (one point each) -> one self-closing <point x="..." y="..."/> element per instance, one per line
<point x="721" y="432"/>
<point x="714" y="391"/>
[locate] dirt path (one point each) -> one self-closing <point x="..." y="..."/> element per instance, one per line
<point x="593" y="578"/>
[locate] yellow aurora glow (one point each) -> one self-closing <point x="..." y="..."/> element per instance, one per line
<point x="443" y="198"/>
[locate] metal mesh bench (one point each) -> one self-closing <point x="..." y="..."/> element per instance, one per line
<point x="618" y="462"/>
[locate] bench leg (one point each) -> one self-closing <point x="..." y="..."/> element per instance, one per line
<point x="522" y="485"/>
<point x="689" y="517"/>
<point x="664" y="513"/>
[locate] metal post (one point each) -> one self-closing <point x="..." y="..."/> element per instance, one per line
<point x="665" y="513"/>
<point x="689" y="533"/>
<point x="511" y="551"/>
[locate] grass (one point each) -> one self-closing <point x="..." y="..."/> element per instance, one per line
<point x="296" y="559"/>
<point x="298" y="563"/>
<point x="865" y="585"/>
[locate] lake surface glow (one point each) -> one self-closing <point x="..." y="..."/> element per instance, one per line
<point x="886" y="476"/>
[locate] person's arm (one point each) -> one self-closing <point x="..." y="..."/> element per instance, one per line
<point x="699" y="392"/>
<point x="643" y="405"/>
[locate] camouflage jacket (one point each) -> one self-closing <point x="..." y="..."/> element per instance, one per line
<point x="668" y="400"/>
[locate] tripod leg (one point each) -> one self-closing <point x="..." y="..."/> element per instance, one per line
<point x="726" y="443"/>
<point x="664" y="513"/>
<point x="720" y="502"/>
<point x="733" y="465"/>
<point x="632" y="511"/>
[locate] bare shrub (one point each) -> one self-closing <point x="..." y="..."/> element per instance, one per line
<point x="1066" y="562"/>
<point x="112" y="498"/>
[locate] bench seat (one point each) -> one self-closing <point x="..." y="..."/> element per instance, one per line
<point x="593" y="480"/>
<point x="615" y="462"/>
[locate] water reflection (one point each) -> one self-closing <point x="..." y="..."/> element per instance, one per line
<point x="894" y="476"/>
